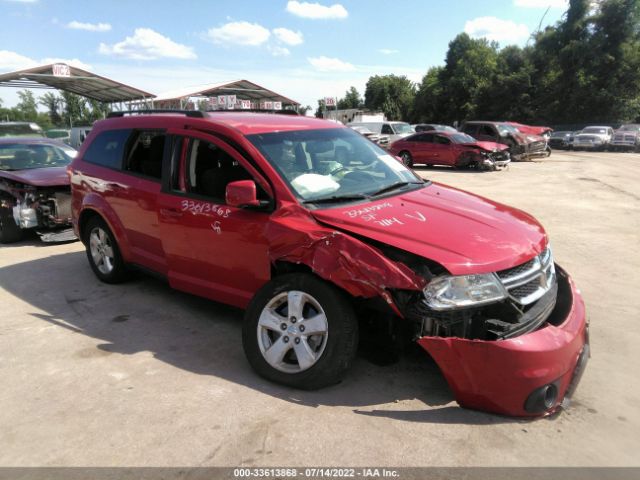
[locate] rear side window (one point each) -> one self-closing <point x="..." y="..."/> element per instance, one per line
<point x="146" y="150"/>
<point x="107" y="148"/>
<point x="386" y="129"/>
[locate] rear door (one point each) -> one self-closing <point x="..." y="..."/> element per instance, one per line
<point x="213" y="249"/>
<point x="443" y="150"/>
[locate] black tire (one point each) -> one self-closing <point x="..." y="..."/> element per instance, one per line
<point x="407" y="159"/>
<point x="117" y="273"/>
<point x="340" y="343"/>
<point x="10" y="232"/>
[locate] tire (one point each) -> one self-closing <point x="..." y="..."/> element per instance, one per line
<point x="103" y="252"/>
<point x="268" y="324"/>
<point x="10" y="232"/>
<point x="407" y="159"/>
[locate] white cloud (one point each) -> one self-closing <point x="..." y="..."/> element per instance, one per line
<point x="277" y="51"/>
<point x="11" y="61"/>
<point x="91" y="27"/>
<point x="287" y="36"/>
<point x="316" y="11"/>
<point x="541" y="3"/>
<point x="387" y="51"/>
<point x="239" y="33"/>
<point x="147" y="44"/>
<point x="326" y="64"/>
<point x="493" y="28"/>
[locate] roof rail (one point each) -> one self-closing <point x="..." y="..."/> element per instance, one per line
<point x="188" y="113"/>
<point x="255" y="110"/>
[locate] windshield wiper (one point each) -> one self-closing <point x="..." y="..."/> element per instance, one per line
<point x="338" y="198"/>
<point x="394" y="186"/>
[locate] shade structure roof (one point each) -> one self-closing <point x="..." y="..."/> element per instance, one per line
<point x="241" y="88"/>
<point x="74" y="80"/>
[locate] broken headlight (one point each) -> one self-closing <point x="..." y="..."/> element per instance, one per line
<point x="448" y="292"/>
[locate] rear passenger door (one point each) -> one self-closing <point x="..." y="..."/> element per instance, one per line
<point x="213" y="249"/>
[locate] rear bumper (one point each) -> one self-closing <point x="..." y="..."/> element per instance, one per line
<point x="500" y="376"/>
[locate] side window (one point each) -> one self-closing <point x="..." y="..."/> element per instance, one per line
<point x="439" y="139"/>
<point x="470" y="129"/>
<point x="146" y="149"/>
<point x="210" y="169"/>
<point x="386" y="129"/>
<point x="107" y="148"/>
<point x="426" y="137"/>
<point x="486" y="130"/>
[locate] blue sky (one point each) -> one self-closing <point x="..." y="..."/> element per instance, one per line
<point x="303" y="50"/>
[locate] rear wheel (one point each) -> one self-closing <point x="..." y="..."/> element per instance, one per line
<point x="103" y="252"/>
<point x="407" y="159"/>
<point x="300" y="331"/>
<point x="9" y="230"/>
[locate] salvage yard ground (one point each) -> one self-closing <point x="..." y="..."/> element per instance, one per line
<point x="139" y="374"/>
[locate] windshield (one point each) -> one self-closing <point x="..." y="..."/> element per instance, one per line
<point x="630" y="128"/>
<point x="335" y="163"/>
<point x="594" y="130"/>
<point x="560" y="134"/>
<point x="504" y="128"/>
<point x="400" y="128"/>
<point x="23" y="156"/>
<point x="20" y="130"/>
<point x="461" y="138"/>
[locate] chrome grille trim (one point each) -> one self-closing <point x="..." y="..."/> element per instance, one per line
<point x="538" y="275"/>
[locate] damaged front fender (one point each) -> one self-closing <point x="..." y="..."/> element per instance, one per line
<point x="359" y="269"/>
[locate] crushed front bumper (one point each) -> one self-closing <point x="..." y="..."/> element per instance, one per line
<point x="505" y="376"/>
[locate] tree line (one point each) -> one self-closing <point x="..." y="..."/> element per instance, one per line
<point x="583" y="69"/>
<point x="63" y="109"/>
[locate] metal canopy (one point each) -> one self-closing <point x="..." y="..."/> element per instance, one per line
<point x="241" y="88"/>
<point x="75" y="80"/>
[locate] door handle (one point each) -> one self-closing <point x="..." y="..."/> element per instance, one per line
<point x="170" y="212"/>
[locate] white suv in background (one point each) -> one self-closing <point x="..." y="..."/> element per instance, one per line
<point x="593" y="138"/>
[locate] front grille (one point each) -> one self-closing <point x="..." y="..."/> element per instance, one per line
<point x="537" y="146"/>
<point x="526" y="289"/>
<point x="512" y="272"/>
<point x="529" y="281"/>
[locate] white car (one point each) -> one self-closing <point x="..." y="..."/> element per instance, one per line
<point x="627" y="137"/>
<point x="391" y="130"/>
<point x="593" y="138"/>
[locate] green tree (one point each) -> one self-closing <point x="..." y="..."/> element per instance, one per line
<point x="429" y="97"/>
<point x="394" y="95"/>
<point x="351" y="99"/>
<point x="321" y="108"/>
<point x="52" y="103"/>
<point x="27" y="108"/>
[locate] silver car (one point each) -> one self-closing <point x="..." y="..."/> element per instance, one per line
<point x="627" y="137"/>
<point x="593" y="138"/>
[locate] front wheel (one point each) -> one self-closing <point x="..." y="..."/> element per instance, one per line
<point x="300" y="331"/>
<point x="9" y="230"/>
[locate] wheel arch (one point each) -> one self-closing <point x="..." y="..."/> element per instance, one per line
<point x="95" y="206"/>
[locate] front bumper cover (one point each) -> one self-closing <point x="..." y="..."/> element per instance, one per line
<point x="498" y="376"/>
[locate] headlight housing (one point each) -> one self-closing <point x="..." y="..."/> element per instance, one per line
<point x="449" y="292"/>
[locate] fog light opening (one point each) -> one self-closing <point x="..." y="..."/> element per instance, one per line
<point x="550" y="396"/>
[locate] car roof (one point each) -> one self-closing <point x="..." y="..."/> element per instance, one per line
<point x="247" y="123"/>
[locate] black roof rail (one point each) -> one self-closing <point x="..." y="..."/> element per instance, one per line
<point x="255" y="110"/>
<point x="188" y="113"/>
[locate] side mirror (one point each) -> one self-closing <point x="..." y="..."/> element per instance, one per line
<point x="242" y="193"/>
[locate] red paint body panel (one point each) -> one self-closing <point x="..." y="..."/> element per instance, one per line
<point x="39" y="177"/>
<point x="463" y="232"/>
<point x="531" y="129"/>
<point x="498" y="376"/>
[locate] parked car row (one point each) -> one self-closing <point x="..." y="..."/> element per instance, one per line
<point x="324" y="238"/>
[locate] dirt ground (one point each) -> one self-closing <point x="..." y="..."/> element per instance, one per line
<point x="138" y="374"/>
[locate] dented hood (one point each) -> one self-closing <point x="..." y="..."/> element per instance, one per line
<point x="463" y="232"/>
<point x="39" y="177"/>
<point x="488" y="146"/>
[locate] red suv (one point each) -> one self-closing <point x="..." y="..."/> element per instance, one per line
<point x="320" y="235"/>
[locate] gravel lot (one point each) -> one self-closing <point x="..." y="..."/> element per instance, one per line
<point x="139" y="374"/>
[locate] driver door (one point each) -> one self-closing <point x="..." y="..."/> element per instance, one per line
<point x="212" y="249"/>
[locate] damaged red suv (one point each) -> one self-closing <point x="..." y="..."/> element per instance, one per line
<point x="319" y="234"/>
